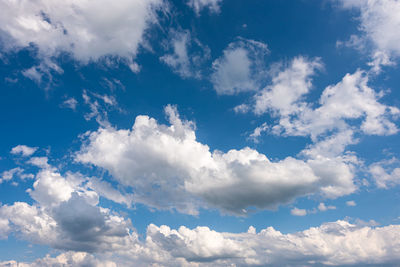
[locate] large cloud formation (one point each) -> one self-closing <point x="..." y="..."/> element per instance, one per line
<point x="337" y="243"/>
<point x="66" y="216"/>
<point x="168" y="168"/>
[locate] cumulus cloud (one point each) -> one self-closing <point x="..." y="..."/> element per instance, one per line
<point x="385" y="173"/>
<point x="379" y="24"/>
<point x="347" y="101"/>
<point x="288" y="86"/>
<point x="168" y="168"/>
<point x="86" y="30"/>
<point x="187" y="56"/>
<point x="241" y="68"/>
<point x="79" y="259"/>
<point x="23" y="150"/>
<point x="65" y="215"/>
<point x="198" y="5"/>
<point x="336" y="243"/>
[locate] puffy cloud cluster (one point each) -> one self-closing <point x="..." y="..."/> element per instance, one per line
<point x="241" y="68"/>
<point x="349" y="100"/>
<point x="79" y="259"/>
<point x="287" y="88"/>
<point x="337" y="243"/>
<point x="168" y="168"/>
<point x="386" y="173"/>
<point x="343" y="110"/>
<point x="65" y="216"/>
<point x="380" y="24"/>
<point x="86" y="30"/>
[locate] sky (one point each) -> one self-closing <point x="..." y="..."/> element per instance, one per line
<point x="199" y="133"/>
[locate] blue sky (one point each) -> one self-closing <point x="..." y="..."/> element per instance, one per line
<point x="199" y="133"/>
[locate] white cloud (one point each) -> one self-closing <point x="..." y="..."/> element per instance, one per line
<point x="288" y="87"/>
<point x="65" y="216"/>
<point x="81" y="228"/>
<point x="105" y="189"/>
<point x="336" y="243"/>
<point x="349" y="100"/>
<point x="15" y="172"/>
<point x="23" y="150"/>
<point x="70" y="103"/>
<point x="380" y="25"/>
<point x="298" y="212"/>
<point x="255" y="135"/>
<point x="351" y="203"/>
<point x="79" y="259"/>
<point x="198" y="5"/>
<point x="99" y="105"/>
<point x="168" y="168"/>
<point x="87" y="30"/>
<point x="241" y="67"/>
<point x="183" y="60"/>
<point x="41" y="162"/>
<point x="386" y="173"/>
<point x="323" y="207"/>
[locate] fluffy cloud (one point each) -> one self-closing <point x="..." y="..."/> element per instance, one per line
<point x="87" y="30"/>
<point x="386" y="173"/>
<point x="23" y="150"/>
<point x="350" y="100"/>
<point x="65" y="216"/>
<point x="288" y="86"/>
<point x="241" y="67"/>
<point x="199" y="5"/>
<point x="79" y="259"/>
<point x="15" y="172"/>
<point x="168" y="168"/>
<point x="380" y="24"/>
<point x="183" y="60"/>
<point x="336" y="243"/>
